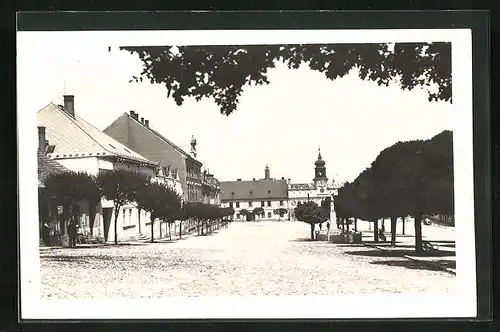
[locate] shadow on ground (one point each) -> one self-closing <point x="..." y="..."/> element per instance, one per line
<point x="414" y="265"/>
<point x="303" y="239"/>
<point x="399" y="253"/>
<point x="88" y="259"/>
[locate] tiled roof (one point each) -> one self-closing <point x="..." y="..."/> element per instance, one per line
<point x="75" y="137"/>
<point x="254" y="190"/>
<point x="166" y="140"/>
<point x="47" y="166"/>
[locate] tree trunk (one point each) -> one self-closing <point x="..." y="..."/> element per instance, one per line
<point x="343" y="223"/>
<point x="180" y="229"/>
<point x="312" y="231"/>
<point x="355" y="224"/>
<point x="394" y="223"/>
<point x="169" y="232"/>
<point x="418" y="232"/>
<point x="375" y="230"/>
<point x="383" y="225"/>
<point x="347" y="224"/>
<point x="161" y="233"/>
<point x="117" y="208"/>
<point x="139" y="218"/>
<point x="403" y="225"/>
<point x="152" y="229"/>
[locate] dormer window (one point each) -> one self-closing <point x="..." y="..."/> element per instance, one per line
<point x="269" y="191"/>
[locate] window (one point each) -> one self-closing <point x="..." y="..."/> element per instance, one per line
<point x="268" y="203"/>
<point x="281" y="203"/>
<point x="231" y="204"/>
<point x="249" y="204"/>
<point x="124" y="223"/>
<point x="130" y="216"/>
<point x="237" y="204"/>
<point x="262" y="203"/>
<point x="269" y="214"/>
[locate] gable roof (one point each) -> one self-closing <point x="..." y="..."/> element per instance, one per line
<point x="260" y="189"/>
<point x="160" y="136"/>
<point x="47" y="166"/>
<point x="74" y="137"/>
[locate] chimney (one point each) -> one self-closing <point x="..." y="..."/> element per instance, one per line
<point x="142" y="120"/>
<point x="42" y="145"/>
<point x="146" y="122"/>
<point x="69" y="104"/>
<point x="134" y="115"/>
<point x="282" y="178"/>
<point x="289" y="180"/>
<point x="254" y="179"/>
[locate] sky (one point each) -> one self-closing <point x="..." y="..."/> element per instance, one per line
<point x="281" y="124"/>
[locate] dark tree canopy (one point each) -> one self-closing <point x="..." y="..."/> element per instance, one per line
<point x="221" y="72"/>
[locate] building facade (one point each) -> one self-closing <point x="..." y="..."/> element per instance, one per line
<point x="80" y="147"/>
<point x="137" y="134"/>
<point x="268" y="194"/>
<point x="210" y="189"/>
<point x="271" y="194"/>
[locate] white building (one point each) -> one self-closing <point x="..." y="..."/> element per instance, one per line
<point x="271" y="194"/>
<point x="267" y="193"/>
<point x="317" y="190"/>
<point x="79" y="146"/>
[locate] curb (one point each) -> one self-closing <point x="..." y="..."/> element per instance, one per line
<point x="446" y="269"/>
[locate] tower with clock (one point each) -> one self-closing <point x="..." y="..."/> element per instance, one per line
<point x="320" y="180"/>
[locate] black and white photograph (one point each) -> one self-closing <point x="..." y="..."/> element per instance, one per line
<point x="246" y="174"/>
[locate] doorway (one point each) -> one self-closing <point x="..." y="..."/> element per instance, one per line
<point x="106" y="216"/>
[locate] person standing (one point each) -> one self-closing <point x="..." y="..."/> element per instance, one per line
<point x="72" y="234"/>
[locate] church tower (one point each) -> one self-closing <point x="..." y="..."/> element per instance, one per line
<point x="320" y="179"/>
<point x="267" y="175"/>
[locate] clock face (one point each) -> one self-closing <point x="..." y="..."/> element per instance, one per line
<point x="320" y="173"/>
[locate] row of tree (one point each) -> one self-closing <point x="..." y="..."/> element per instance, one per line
<point x="412" y="178"/>
<point x="122" y="187"/>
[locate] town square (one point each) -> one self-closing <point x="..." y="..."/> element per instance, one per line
<point x="242" y="170"/>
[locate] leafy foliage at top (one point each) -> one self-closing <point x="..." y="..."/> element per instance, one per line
<point x="408" y="178"/>
<point x="311" y="213"/>
<point x="221" y="72"/>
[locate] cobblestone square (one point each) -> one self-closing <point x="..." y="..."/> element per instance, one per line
<point x="249" y="258"/>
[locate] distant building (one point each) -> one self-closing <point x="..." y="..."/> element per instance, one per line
<point x="139" y="136"/>
<point x="315" y="191"/>
<point x="210" y="189"/>
<point x="271" y="194"/>
<point x="267" y="193"/>
<point x="79" y="146"/>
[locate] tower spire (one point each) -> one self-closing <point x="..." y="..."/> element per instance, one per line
<point x="319" y="153"/>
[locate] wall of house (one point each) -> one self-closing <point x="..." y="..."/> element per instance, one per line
<point x="268" y="210"/>
<point x="85" y="164"/>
